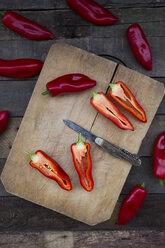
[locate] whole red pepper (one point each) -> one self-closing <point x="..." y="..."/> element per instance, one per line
<point x="132" y="204"/>
<point x="83" y="163"/>
<point x="121" y="94"/>
<point x="25" y="27"/>
<point x="3" y="120"/>
<point x="140" y="46"/>
<point x="50" y="168"/>
<point x="69" y="83"/>
<point x="92" y="11"/>
<point x="159" y="158"/>
<point x="20" y="68"/>
<point x="107" y="108"/>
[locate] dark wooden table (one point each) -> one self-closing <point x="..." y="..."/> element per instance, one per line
<point x="24" y="224"/>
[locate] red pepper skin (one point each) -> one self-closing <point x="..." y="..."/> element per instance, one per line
<point x="50" y="168"/>
<point x="83" y="163"/>
<point x="25" y="27"/>
<point x="121" y="94"/>
<point x="92" y="11"/>
<point x="159" y="158"/>
<point x="3" y="120"/>
<point x="107" y="108"/>
<point x="69" y="83"/>
<point x="140" y="46"/>
<point x="132" y="204"/>
<point x="20" y="68"/>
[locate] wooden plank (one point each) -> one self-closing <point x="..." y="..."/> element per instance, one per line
<point x="19" y="215"/>
<point x="67" y="24"/>
<point x="137" y="175"/>
<point x="46" y="113"/>
<point x="117" y="47"/>
<point x="92" y="239"/>
<point x="52" y="4"/>
<point x="15" y="95"/>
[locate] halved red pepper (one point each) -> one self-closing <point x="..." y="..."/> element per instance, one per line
<point x="69" y="83"/>
<point x="83" y="163"/>
<point x="132" y="204"/>
<point x="107" y="108"/>
<point x="50" y="168"/>
<point x="92" y="11"/>
<point x="159" y="158"/>
<point x="20" y="68"/>
<point x="3" y="120"/>
<point x="121" y="94"/>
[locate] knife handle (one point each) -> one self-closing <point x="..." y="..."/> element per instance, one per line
<point x="121" y="153"/>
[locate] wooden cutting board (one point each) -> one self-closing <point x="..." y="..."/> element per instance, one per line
<point x="42" y="128"/>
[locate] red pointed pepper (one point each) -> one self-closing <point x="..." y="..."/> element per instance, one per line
<point x="107" y="108"/>
<point x="69" y="83"/>
<point x="121" y="94"/>
<point x="3" y="120"/>
<point x="25" y="27"/>
<point x="140" y="46"/>
<point x="50" y="168"/>
<point x="83" y="163"/>
<point x="159" y="158"/>
<point x="20" y="68"/>
<point x="132" y="204"/>
<point x="92" y="11"/>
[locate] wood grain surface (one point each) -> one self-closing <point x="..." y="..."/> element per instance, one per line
<point x="42" y="128"/>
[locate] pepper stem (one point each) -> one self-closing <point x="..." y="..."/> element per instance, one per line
<point x="95" y="94"/>
<point x="3" y="13"/>
<point x="47" y="92"/>
<point x="111" y="86"/>
<point x="80" y="140"/>
<point x="161" y="181"/>
<point x="32" y="156"/>
<point x="143" y="185"/>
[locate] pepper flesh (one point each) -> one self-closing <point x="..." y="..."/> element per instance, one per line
<point x="107" y="108"/>
<point x="3" y="120"/>
<point x="69" y="83"/>
<point x="120" y="93"/>
<point x="83" y="163"/>
<point x="50" y="168"/>
<point x="25" y="27"/>
<point x="20" y="68"/>
<point x="132" y="204"/>
<point x="159" y="158"/>
<point x="140" y="46"/>
<point x="92" y="11"/>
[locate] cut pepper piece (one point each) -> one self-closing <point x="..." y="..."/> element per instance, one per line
<point x="107" y="108"/>
<point x="50" y="168"/>
<point x="83" y="163"/>
<point x="121" y="94"/>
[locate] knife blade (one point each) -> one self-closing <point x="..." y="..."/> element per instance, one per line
<point x="105" y="145"/>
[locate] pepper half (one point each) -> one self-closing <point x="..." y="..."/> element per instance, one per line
<point x="20" y="68"/>
<point x="83" y="163"/>
<point x="50" y="168"/>
<point x="3" y="120"/>
<point x="121" y="94"/>
<point x="92" y="11"/>
<point x="159" y="158"/>
<point x="132" y="204"/>
<point x="69" y="83"/>
<point x="107" y="108"/>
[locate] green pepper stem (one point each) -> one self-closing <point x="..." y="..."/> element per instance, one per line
<point x="95" y="93"/>
<point x="47" y="92"/>
<point x="161" y="181"/>
<point x="80" y="140"/>
<point x="111" y="86"/>
<point x="32" y="156"/>
<point x="2" y="13"/>
<point x="143" y="185"/>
